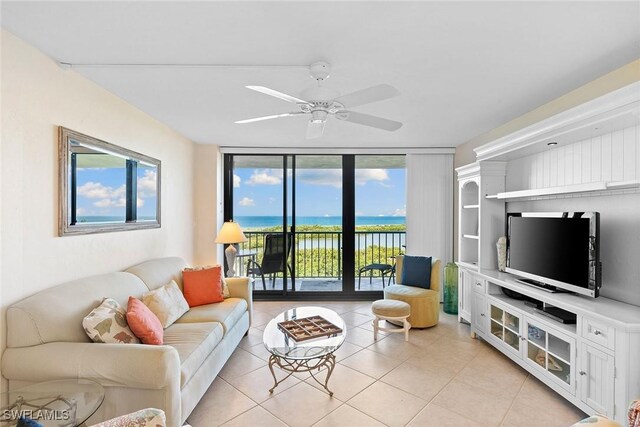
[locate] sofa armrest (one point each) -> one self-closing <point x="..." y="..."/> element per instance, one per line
<point x="116" y="365"/>
<point x="241" y="287"/>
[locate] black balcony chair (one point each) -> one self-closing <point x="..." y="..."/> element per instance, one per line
<point x="273" y="258"/>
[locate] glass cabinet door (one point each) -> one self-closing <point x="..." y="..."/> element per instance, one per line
<point x="505" y="326"/>
<point x="550" y="351"/>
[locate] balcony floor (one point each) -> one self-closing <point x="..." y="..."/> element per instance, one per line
<point x="321" y="284"/>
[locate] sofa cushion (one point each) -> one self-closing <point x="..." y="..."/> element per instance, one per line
<point x="194" y="342"/>
<point x="167" y="303"/>
<point x="225" y="287"/>
<point x="160" y="271"/>
<point x="32" y="321"/>
<point x="227" y="312"/>
<point x="143" y="322"/>
<point x="202" y="287"/>
<point x="410" y="292"/>
<point x="107" y="323"/>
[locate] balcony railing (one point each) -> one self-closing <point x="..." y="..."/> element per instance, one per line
<point x="318" y="254"/>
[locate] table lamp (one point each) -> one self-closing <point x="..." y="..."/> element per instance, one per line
<point x="230" y="234"/>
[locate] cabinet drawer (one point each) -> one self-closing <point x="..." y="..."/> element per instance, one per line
<point x="598" y="332"/>
<point x="479" y="285"/>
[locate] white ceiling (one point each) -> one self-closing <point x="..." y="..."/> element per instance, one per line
<point x="462" y="68"/>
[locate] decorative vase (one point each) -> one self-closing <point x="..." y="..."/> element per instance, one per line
<point x="450" y="303"/>
<point x="502" y="253"/>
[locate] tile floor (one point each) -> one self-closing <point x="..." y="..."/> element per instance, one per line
<point x="441" y="377"/>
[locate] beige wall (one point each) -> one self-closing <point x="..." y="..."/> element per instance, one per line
<point x="208" y="210"/>
<point x="36" y="97"/>
<point x="616" y="79"/>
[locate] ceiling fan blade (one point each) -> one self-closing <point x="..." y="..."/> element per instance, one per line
<point x="315" y="129"/>
<point x="368" y="120"/>
<point x="366" y="96"/>
<point x="277" y="94"/>
<point x="275" y="116"/>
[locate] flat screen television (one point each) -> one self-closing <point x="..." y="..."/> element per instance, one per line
<point x="555" y="250"/>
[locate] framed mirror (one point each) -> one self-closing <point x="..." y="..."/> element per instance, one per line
<point x="103" y="187"/>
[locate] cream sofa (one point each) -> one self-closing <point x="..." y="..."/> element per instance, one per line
<point x="46" y="341"/>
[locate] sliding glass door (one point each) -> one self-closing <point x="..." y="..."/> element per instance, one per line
<point x="256" y="198"/>
<point x="380" y="206"/>
<point x="318" y="223"/>
<point x="337" y="221"/>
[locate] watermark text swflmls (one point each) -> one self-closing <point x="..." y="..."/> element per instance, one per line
<point x="36" y="414"/>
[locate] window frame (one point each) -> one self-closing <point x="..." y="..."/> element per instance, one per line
<point x="66" y="185"/>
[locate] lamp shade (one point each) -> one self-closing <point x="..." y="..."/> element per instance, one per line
<point x="230" y="233"/>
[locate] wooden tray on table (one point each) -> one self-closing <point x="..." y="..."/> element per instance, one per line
<point x="308" y="328"/>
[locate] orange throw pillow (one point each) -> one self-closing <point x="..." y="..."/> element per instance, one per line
<point x="203" y="286"/>
<point x="143" y="323"/>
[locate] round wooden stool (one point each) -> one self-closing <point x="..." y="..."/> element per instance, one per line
<point x="386" y="309"/>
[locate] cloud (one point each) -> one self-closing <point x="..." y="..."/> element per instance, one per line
<point x="95" y="190"/>
<point x="246" y="201"/>
<point x="148" y="184"/>
<point x="376" y="175"/>
<point x="111" y="203"/>
<point x="400" y="211"/>
<point x="265" y="177"/>
<point x="236" y="181"/>
<point x="109" y="196"/>
<point x="333" y="177"/>
<point x="329" y="177"/>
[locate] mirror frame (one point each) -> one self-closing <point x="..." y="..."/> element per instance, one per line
<point x="65" y="136"/>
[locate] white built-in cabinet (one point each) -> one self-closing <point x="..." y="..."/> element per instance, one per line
<point x="597" y="378"/>
<point x="593" y="363"/>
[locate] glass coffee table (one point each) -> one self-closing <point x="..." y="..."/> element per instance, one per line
<point x="62" y="403"/>
<point x="303" y="356"/>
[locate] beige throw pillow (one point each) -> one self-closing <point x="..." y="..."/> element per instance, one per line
<point x="225" y="288"/>
<point x="167" y="303"/>
<point x="107" y="323"/>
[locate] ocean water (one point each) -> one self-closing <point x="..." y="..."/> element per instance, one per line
<point x="253" y="222"/>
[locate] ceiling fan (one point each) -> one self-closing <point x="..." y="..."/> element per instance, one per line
<point x="320" y="102"/>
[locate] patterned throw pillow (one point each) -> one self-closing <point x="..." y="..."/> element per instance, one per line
<point x="149" y="417"/>
<point x="167" y="303"/>
<point x="107" y="323"/>
<point x="225" y="288"/>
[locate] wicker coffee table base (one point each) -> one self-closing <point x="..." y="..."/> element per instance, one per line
<point x="293" y="366"/>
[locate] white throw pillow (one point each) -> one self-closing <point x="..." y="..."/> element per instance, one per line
<point x="225" y="288"/>
<point x="107" y="323"/>
<point x="167" y="303"/>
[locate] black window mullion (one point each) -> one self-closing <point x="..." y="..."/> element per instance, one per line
<point x="131" y="210"/>
<point x="348" y="222"/>
<point x="74" y="187"/>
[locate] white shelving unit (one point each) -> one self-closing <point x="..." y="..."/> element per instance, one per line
<point x="477" y="227"/>
<point x="591" y="363"/>
<point x="566" y="189"/>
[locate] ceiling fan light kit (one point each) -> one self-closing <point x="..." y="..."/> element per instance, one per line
<point x="321" y="102"/>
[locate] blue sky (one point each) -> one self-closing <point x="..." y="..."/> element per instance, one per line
<point x="258" y="192"/>
<point x="101" y="192"/>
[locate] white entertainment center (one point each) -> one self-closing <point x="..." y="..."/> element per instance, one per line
<point x="594" y="363"/>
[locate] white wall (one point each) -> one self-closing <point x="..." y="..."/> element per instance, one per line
<point x="37" y="97"/>
<point x="614" y="156"/>
<point x="430" y="205"/>
<point x="208" y="210"/>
